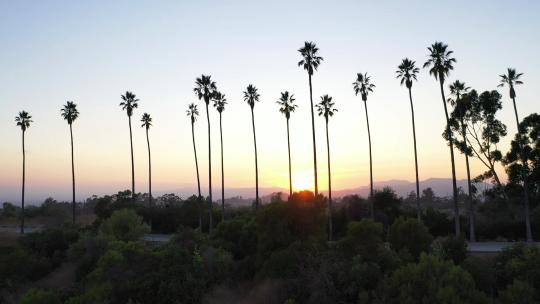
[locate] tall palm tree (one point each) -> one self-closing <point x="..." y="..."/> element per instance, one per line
<point x="511" y="79"/>
<point x="23" y="120"/>
<point x="407" y="72"/>
<point x="286" y="101"/>
<point x="326" y="108"/>
<point x="441" y="62"/>
<point x="69" y="112"/>
<point x="219" y="103"/>
<point x="129" y="103"/>
<point x="457" y="89"/>
<point x="310" y="62"/>
<point x="205" y="89"/>
<point x="363" y="86"/>
<point x="193" y="112"/>
<point x="251" y="96"/>
<point x="147" y="123"/>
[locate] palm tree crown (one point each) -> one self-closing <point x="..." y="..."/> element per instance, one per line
<point x="407" y="72"/>
<point x="205" y="88"/>
<point x="146" y="121"/>
<point x="311" y="59"/>
<point x="286" y="101"/>
<point x="440" y="61"/>
<point x="129" y="102"/>
<point x="363" y="85"/>
<point x="23" y="120"/>
<point x="511" y="78"/>
<point x="219" y="101"/>
<point x="193" y="112"/>
<point x="457" y="89"/>
<point x="251" y="95"/>
<point x="70" y="112"/>
<point x="326" y="107"/>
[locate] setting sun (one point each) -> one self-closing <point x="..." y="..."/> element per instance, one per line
<point x="302" y="181"/>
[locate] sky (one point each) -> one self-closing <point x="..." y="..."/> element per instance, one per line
<point x="91" y="52"/>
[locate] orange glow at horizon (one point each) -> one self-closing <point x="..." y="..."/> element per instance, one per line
<point x="303" y="180"/>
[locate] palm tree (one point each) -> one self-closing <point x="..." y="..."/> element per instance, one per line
<point x="193" y="112"/>
<point x="326" y="108"/>
<point x="407" y="72"/>
<point x="129" y="103"/>
<point x="219" y="103"/>
<point x="147" y="123"/>
<point x="441" y="63"/>
<point x="511" y="79"/>
<point x="251" y="96"/>
<point x="286" y="102"/>
<point x="204" y="89"/>
<point x="363" y="86"/>
<point x="457" y="89"/>
<point x="23" y="120"/>
<point x="69" y="112"/>
<point x="310" y="63"/>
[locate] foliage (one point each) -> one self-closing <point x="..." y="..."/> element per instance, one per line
<point x="124" y="225"/>
<point x="451" y="248"/>
<point x="39" y="296"/>
<point x="363" y="238"/>
<point x="410" y="237"/>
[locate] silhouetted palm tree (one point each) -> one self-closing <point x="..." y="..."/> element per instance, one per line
<point x="219" y="102"/>
<point x="363" y="86"/>
<point x="69" y="112"/>
<point x="204" y="89"/>
<point x="457" y="89"/>
<point x="407" y="72"/>
<point x="511" y="79"/>
<point x="441" y="63"/>
<point x="23" y="120"/>
<point x="251" y="96"/>
<point x="286" y="102"/>
<point x="193" y="112"/>
<point x="310" y="62"/>
<point x="129" y="103"/>
<point x="326" y="108"/>
<point x="147" y="123"/>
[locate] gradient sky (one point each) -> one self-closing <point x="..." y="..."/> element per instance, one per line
<point x="93" y="51"/>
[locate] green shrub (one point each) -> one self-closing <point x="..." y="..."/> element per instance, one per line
<point x="451" y="248"/>
<point x="364" y="238"/>
<point x="124" y="225"/>
<point x="409" y="236"/>
<point x="39" y="296"/>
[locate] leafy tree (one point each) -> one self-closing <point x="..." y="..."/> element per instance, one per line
<point x="205" y="89"/>
<point x="409" y="236"/>
<point x="69" y="112"/>
<point x="326" y="108"/>
<point x="219" y="103"/>
<point x="124" y="225"/>
<point x="407" y="72"/>
<point x="519" y="265"/>
<point x="23" y="120"/>
<point x="519" y="292"/>
<point x="129" y="103"/>
<point x="147" y="123"/>
<point x="432" y="280"/>
<point x="251" y="96"/>
<point x="39" y="296"/>
<point x="193" y="112"/>
<point x="364" y="238"/>
<point x="287" y="106"/>
<point x="523" y="161"/>
<point x="441" y="63"/>
<point x="451" y="248"/>
<point x="310" y="62"/>
<point x="387" y="205"/>
<point x="363" y="86"/>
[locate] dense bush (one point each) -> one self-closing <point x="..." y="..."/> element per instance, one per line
<point x="124" y="225"/>
<point x="39" y="296"/>
<point x="409" y="237"/>
<point x="451" y="248"/>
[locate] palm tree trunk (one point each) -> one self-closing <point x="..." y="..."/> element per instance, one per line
<point x="210" y="224"/>
<point x="222" y="172"/>
<point x="72" y="173"/>
<point x="132" y="162"/>
<point x="528" y="230"/>
<point x="290" y="171"/>
<point x="256" y="163"/>
<point x="472" y="232"/>
<point x="313" y="132"/>
<point x="149" y="170"/>
<point x="418" y="209"/>
<point x="330" y="226"/>
<point x="199" y="198"/>
<point x="23" y="182"/>
<point x="454" y="184"/>
<point x="370" y="165"/>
